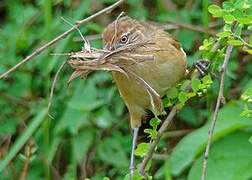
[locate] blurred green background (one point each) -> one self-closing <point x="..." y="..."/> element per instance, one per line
<point x="90" y="135"/>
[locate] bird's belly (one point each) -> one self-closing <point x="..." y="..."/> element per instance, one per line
<point x="159" y="77"/>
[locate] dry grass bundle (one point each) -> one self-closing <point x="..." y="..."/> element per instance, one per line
<point x="91" y="59"/>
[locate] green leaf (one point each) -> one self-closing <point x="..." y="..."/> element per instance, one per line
<point x="182" y="97"/>
<point x="111" y="152"/>
<point x="81" y="143"/>
<point x="215" y="10"/>
<point x="247" y="95"/>
<point x="239" y="4"/>
<point x="154" y="122"/>
<point x="193" y="144"/>
<point x="246" y="112"/>
<point x="22" y="139"/>
<point x="238" y="13"/>
<point x="190" y="94"/>
<point x="232" y="155"/>
<point x="235" y="42"/>
<point x="249" y="51"/>
<point x="172" y="93"/>
<point x="250" y="139"/>
<point x="8" y="127"/>
<point x="195" y="85"/>
<point x="227" y="27"/>
<point x="207" y="79"/>
<point x="228" y="5"/>
<point x="239" y="30"/>
<point x="244" y="20"/>
<point x="224" y="34"/>
<point x="228" y="19"/>
<point x="85" y="97"/>
<point x="142" y="149"/>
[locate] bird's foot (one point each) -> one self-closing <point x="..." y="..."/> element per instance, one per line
<point x="202" y="66"/>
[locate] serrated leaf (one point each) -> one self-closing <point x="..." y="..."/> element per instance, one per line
<point x="224" y="34"/>
<point x="235" y="42"/>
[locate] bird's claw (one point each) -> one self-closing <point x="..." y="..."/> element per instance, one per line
<point x="201" y="66"/>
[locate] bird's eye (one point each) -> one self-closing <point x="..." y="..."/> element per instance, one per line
<point x="124" y="39"/>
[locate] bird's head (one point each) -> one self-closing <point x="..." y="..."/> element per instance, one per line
<point x="125" y="31"/>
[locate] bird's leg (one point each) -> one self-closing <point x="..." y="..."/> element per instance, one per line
<point x="132" y="156"/>
<point x="201" y="66"/>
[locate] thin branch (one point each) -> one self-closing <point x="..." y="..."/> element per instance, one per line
<point x="52" y="88"/>
<point x="89" y="38"/>
<point x="220" y="99"/>
<point x="78" y="24"/>
<point x="27" y="162"/>
<point x="160" y="156"/>
<point x="167" y="121"/>
<point x="154" y="143"/>
<point x="15" y="100"/>
<point x="177" y="133"/>
<point x="193" y="28"/>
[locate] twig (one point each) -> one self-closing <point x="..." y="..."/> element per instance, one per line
<point x="52" y="88"/>
<point x="220" y="99"/>
<point x="160" y="156"/>
<point x="78" y="24"/>
<point x="177" y="133"/>
<point x="27" y="162"/>
<point x="165" y="124"/>
<point x="14" y="99"/>
<point x="154" y="143"/>
<point x="193" y="28"/>
<point x="89" y="38"/>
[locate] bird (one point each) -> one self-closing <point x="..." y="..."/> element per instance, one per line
<point x="164" y="71"/>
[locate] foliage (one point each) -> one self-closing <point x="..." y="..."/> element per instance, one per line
<point x="90" y="132"/>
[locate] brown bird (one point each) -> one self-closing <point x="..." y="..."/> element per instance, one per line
<point x="164" y="71"/>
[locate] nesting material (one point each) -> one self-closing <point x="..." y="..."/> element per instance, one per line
<point x="90" y="59"/>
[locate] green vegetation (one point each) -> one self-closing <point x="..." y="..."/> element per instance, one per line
<point x="90" y="133"/>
